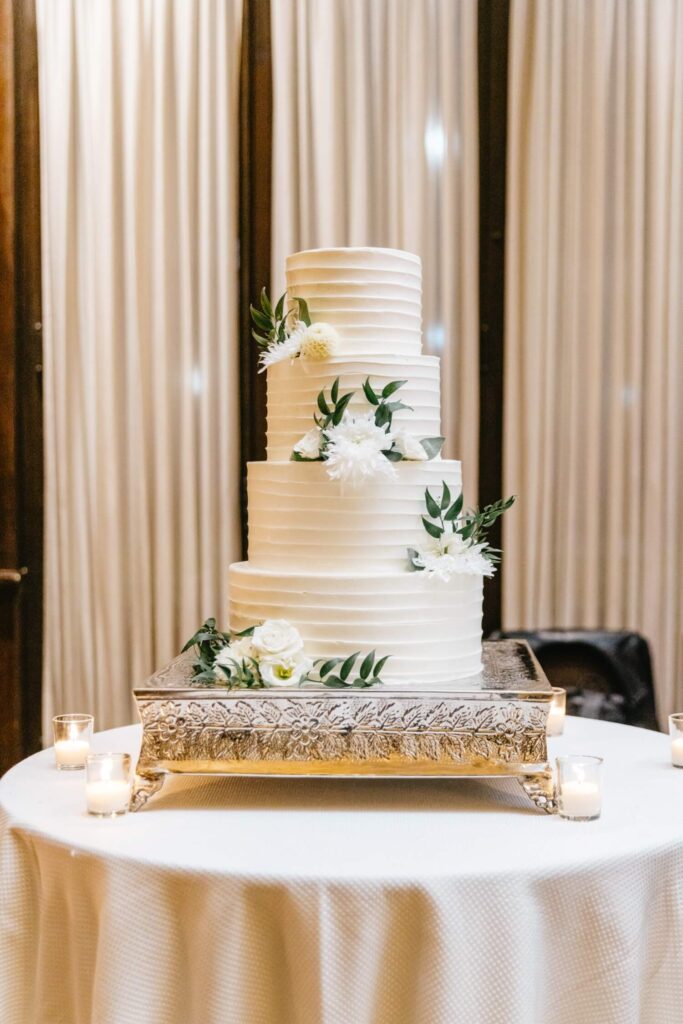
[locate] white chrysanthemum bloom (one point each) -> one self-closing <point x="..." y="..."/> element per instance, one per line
<point x="409" y="446"/>
<point x="308" y="447"/>
<point x="276" y="637"/>
<point x="452" y="555"/>
<point x="320" y="341"/>
<point x="354" y="450"/>
<point x="278" y="670"/>
<point x="288" y="349"/>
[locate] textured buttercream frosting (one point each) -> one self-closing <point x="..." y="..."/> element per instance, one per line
<point x="332" y="558"/>
<point x="373" y="297"/>
<point x="293" y="388"/>
<point x="431" y="629"/>
<point x="327" y="525"/>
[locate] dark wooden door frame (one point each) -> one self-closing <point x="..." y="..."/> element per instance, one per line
<point x="492" y="46"/>
<point x="21" y="473"/>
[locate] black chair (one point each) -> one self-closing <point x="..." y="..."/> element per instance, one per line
<point x="607" y="673"/>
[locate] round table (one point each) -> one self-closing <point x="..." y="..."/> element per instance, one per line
<point x="274" y="901"/>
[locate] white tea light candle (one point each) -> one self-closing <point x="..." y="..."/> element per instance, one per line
<point x="556" y="713"/>
<point x="107" y="787"/>
<point x="676" y="733"/>
<point x="72" y="740"/>
<point x="579" y="787"/>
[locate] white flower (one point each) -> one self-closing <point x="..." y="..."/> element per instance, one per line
<point x="354" y="450"/>
<point x="287" y="349"/>
<point x="409" y="446"/>
<point x="308" y="447"/>
<point x="320" y="341"/>
<point x="276" y="637"/>
<point x="238" y="651"/>
<point x="450" y="555"/>
<point x="284" y="670"/>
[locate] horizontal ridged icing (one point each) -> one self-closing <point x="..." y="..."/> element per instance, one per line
<point x="293" y="388"/>
<point x="373" y="297"/>
<point x="301" y="519"/>
<point x="431" y="629"/>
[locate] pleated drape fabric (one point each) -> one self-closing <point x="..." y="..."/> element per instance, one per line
<point x="375" y="143"/>
<point x="139" y="105"/>
<point x="594" y="322"/>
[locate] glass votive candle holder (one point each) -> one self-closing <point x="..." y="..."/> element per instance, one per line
<point x="676" y="734"/>
<point x="107" y="784"/>
<point x="558" y="707"/>
<point x="579" y="787"/>
<point x="72" y="735"/>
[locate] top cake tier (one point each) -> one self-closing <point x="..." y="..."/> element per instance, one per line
<point x="373" y="297"/>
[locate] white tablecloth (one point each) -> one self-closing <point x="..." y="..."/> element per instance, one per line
<point x="241" y="901"/>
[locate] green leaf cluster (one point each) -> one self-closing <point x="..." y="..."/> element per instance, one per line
<point x="384" y="409"/>
<point x="339" y="672"/>
<point x="446" y="516"/>
<point x="208" y="642"/>
<point x="271" y="323"/>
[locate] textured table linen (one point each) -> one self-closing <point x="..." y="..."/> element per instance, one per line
<point x="246" y="901"/>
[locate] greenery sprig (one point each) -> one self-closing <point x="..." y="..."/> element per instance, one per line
<point x="208" y="642"/>
<point x="271" y="323"/>
<point x="445" y="516"/>
<point x="339" y="672"/>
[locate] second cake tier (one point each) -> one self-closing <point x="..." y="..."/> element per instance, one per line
<point x="301" y="519"/>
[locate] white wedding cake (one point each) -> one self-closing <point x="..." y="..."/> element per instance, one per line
<point x="329" y="554"/>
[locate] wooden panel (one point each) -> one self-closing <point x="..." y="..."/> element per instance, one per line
<point x="493" y="23"/>
<point x="256" y="118"/>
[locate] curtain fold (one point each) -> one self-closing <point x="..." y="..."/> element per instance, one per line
<point x="375" y="142"/>
<point x="139" y="108"/>
<point x="594" y="322"/>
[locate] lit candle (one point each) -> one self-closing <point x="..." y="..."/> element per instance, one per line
<point x="556" y="712"/>
<point x="71" y="753"/>
<point x="107" y="785"/>
<point x="677" y="752"/>
<point x="108" y="796"/>
<point x="581" y="799"/>
<point x="72" y="740"/>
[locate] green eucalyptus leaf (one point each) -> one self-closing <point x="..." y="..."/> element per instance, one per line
<point x="380" y="665"/>
<point x="369" y="392"/>
<point x="303" y="310"/>
<point x="345" y="670"/>
<point x="335" y="682"/>
<point x="280" y="307"/>
<point x="432" y="446"/>
<point x="327" y="666"/>
<point x="433" y="529"/>
<point x="433" y="507"/>
<point x="413" y="555"/>
<point x="394" y="385"/>
<point x="445" y="496"/>
<point x="266" y="304"/>
<point x="392" y="455"/>
<point x="322" y="405"/>
<point x="366" y="666"/>
<point x="334" y="392"/>
<point x="261" y="320"/>
<point x="455" y="509"/>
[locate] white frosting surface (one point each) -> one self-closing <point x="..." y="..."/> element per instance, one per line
<point x="372" y="296"/>
<point x="293" y="388"/>
<point x="300" y="519"/>
<point x="431" y="629"/>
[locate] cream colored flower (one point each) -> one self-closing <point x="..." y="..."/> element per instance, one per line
<point x="276" y="637"/>
<point x="288" y="349"/>
<point x="354" y="450"/>
<point x="320" y="341"/>
<point x="409" y="446"/>
<point x="239" y="651"/>
<point x="278" y="670"/>
<point x="308" y="447"/>
<point x="451" y="555"/>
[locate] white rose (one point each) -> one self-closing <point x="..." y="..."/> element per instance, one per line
<point x="320" y="341"/>
<point x="239" y="651"/>
<point x="409" y="446"/>
<point x="309" y="445"/>
<point x="276" y="637"/>
<point x="277" y="670"/>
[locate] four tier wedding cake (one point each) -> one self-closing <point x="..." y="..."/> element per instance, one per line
<point x="357" y="534"/>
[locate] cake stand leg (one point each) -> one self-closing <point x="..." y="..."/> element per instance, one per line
<point x="540" y="789"/>
<point x="146" y="784"/>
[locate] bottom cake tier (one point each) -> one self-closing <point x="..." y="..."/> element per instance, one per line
<point x="429" y="627"/>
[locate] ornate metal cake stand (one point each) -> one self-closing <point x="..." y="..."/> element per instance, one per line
<point x="492" y="725"/>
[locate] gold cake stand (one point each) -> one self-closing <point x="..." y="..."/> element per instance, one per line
<point x="492" y="725"/>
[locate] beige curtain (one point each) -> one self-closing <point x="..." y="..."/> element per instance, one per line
<point x="594" y="333"/>
<point x="375" y="143"/>
<point x="139" y="106"/>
